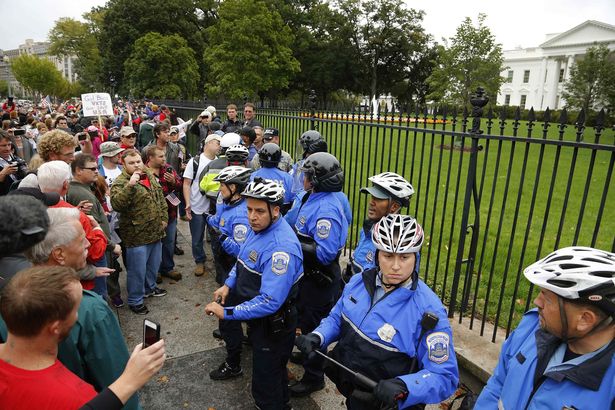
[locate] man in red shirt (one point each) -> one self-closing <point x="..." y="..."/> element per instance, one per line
<point x="39" y="306"/>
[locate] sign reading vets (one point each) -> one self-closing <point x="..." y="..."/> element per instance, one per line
<point x="95" y="104"/>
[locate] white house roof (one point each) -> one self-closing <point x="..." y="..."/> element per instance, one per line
<point x="589" y="32"/>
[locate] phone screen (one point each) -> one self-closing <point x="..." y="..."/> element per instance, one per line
<point x="151" y="333"/>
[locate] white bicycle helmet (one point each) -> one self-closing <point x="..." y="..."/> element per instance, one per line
<point x="237" y="153"/>
<point x="234" y="174"/>
<point x="229" y="139"/>
<point x="577" y="272"/>
<point x="396" y="233"/>
<point x="266" y="190"/>
<point x="393" y="185"/>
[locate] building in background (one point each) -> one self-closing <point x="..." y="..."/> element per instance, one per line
<point x="535" y="77"/>
<point x="37" y="48"/>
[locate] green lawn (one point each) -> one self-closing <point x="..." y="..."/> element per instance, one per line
<point x="506" y="177"/>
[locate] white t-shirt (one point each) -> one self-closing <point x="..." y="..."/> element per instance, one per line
<point x="198" y="203"/>
<point x="111" y="174"/>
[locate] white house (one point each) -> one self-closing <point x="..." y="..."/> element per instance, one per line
<point x="534" y="77"/>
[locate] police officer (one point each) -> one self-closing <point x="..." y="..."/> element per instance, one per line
<point x="562" y="355"/>
<point x="390" y="327"/>
<point x="261" y="289"/>
<point x="269" y="157"/>
<point x="389" y="193"/>
<point x="312" y="142"/>
<point x="322" y="230"/>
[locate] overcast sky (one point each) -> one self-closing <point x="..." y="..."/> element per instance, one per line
<point x="514" y="23"/>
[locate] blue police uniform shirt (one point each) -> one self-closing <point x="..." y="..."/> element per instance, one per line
<point x="587" y="381"/>
<point x="279" y="176"/>
<point x="270" y="262"/>
<point x="214" y="220"/>
<point x="321" y="218"/>
<point x="233" y="222"/>
<point x="387" y="333"/>
<point x="293" y="213"/>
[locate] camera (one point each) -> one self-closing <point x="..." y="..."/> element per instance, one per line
<point x="19" y="131"/>
<point x="22" y="167"/>
<point x="82" y="136"/>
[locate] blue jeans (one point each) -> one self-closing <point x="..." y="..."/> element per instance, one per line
<point x="168" y="248"/>
<point x="100" y="282"/>
<point x="143" y="263"/>
<point x="197" y="230"/>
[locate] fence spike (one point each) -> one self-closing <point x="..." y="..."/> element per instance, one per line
<point x="531" y="116"/>
<point x="547" y="115"/>
<point x="517" y="114"/>
<point x="600" y="120"/>
<point x="563" y="117"/>
<point x="580" y="119"/>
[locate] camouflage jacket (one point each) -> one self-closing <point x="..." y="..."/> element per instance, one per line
<point x="142" y="209"/>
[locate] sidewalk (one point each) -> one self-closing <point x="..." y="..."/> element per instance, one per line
<point x="183" y="382"/>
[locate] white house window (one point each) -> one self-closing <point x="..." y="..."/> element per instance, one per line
<point x="507" y="99"/>
<point x="523" y="100"/>
<point x="561" y="75"/>
<point x="526" y="76"/>
<point x="509" y="77"/>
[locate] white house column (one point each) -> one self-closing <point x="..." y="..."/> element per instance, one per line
<point x="552" y="84"/>
<point x="569" y="64"/>
<point x="538" y="95"/>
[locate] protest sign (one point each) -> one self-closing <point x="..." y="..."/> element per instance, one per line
<point x="96" y="104"/>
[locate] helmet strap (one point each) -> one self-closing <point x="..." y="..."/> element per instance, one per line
<point x="563" y="319"/>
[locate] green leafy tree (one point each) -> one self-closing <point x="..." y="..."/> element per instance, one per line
<point x="473" y="59"/>
<point x="592" y="81"/>
<point x="122" y="22"/>
<point x="389" y="39"/>
<point x="4" y="87"/>
<point x="72" y="38"/>
<point x="250" y="50"/>
<point x="38" y="75"/>
<point x="162" y="66"/>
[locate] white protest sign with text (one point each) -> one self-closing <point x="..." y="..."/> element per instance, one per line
<point x="95" y="104"/>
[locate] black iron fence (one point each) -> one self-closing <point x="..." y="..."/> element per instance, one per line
<point x="493" y="195"/>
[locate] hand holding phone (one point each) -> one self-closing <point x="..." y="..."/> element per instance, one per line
<point x="151" y="332"/>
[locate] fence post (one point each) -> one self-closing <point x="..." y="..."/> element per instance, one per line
<point x="312" y="98"/>
<point x="478" y="101"/>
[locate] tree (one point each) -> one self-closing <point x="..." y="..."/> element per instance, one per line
<point x="249" y="50"/>
<point x="124" y="21"/>
<point x="39" y="75"/>
<point x="389" y="39"/>
<point x="592" y="81"/>
<point x="4" y="87"/>
<point x="162" y="67"/>
<point x="72" y="38"/>
<point x="473" y="59"/>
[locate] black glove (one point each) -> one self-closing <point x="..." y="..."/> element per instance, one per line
<point x="307" y="343"/>
<point x="222" y="238"/>
<point x="391" y="390"/>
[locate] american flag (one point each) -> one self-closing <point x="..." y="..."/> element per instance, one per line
<point x="46" y="102"/>
<point x="173" y="199"/>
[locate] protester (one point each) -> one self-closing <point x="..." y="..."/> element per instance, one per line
<point x="248" y="136"/>
<point x="249" y="112"/>
<point x="272" y="135"/>
<point x="12" y="168"/>
<point x="162" y="139"/>
<point x="232" y="124"/>
<point x="137" y="196"/>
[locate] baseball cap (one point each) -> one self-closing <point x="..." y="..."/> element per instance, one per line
<point x="270" y="133"/>
<point x="211" y="109"/>
<point x="92" y="128"/>
<point x="174" y="130"/>
<point x="109" y="149"/>
<point x="212" y="137"/>
<point x="205" y="113"/>
<point x="126" y="131"/>
<point x="376" y="192"/>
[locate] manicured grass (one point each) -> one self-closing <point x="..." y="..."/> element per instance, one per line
<point x="516" y="181"/>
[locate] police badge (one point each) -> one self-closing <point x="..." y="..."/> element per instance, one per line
<point x="387" y="332"/>
<point x="323" y="228"/>
<point x="240" y="232"/>
<point x="253" y="256"/>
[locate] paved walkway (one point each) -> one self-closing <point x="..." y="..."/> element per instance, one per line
<point x="183" y="382"/>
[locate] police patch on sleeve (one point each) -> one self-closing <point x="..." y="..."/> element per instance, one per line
<point x="323" y="228"/>
<point x="279" y="262"/>
<point x="240" y="232"/>
<point x="219" y="200"/>
<point x="437" y="346"/>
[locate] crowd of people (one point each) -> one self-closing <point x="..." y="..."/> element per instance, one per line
<point x="82" y="198"/>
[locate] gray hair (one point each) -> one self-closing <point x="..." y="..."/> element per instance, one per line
<point x="62" y="231"/>
<point x="52" y="175"/>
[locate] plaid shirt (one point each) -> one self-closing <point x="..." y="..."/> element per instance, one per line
<point x="168" y="187"/>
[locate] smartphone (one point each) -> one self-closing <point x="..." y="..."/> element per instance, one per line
<point x="151" y="332"/>
<point x="82" y="136"/>
<point x="170" y="170"/>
